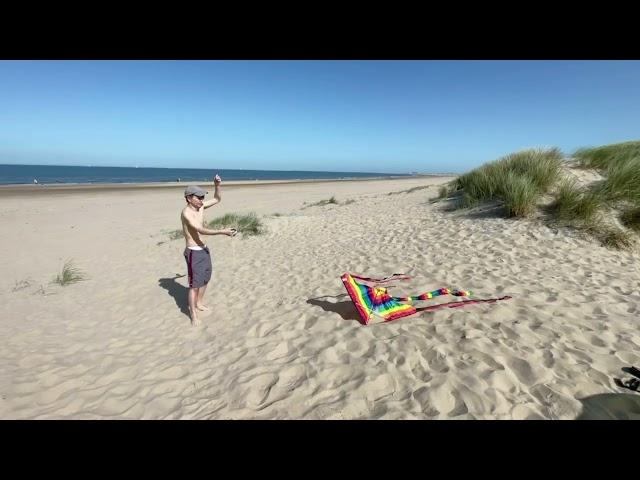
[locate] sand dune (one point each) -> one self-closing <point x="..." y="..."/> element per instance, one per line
<point x="283" y="341"/>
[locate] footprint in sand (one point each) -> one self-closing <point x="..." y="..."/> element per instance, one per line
<point x="398" y="360"/>
<point x="422" y="396"/>
<point x="523" y="371"/>
<point x="599" y="377"/>
<point x="599" y="311"/>
<point x="581" y="356"/>
<point x="263" y="329"/>
<point x="509" y="333"/>
<point x="437" y="362"/>
<point x="460" y="408"/>
<point x="544" y="394"/>
<point x="500" y="406"/>
<point x="597" y="341"/>
<point x="341" y="377"/>
<point x="419" y="371"/>
<point x="357" y="347"/>
<point x="334" y="355"/>
<point x="379" y="410"/>
<point x="474" y="403"/>
<point x="381" y="387"/>
<point x="547" y="359"/>
<point x="281" y="350"/>
<point x="310" y="322"/>
<point x="447" y="401"/>
<point x="259" y="388"/>
<point x="501" y="381"/>
<point x="292" y="377"/>
<point x="560" y="406"/>
<point x="487" y="359"/>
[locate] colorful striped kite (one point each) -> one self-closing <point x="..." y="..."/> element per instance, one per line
<point x="370" y="299"/>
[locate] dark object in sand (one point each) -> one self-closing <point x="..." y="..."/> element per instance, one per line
<point x="632" y="371"/>
<point x="632" y="384"/>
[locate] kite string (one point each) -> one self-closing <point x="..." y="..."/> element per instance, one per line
<point x="233" y="251"/>
<point x="395" y="276"/>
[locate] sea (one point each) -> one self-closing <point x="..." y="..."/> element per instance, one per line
<point x="51" y="174"/>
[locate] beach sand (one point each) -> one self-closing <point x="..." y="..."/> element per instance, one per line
<point x="284" y="340"/>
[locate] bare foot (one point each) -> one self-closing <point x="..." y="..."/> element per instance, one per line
<point x="195" y="321"/>
<point x="203" y="308"/>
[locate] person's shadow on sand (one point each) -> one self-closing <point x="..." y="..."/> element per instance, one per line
<point x="346" y="310"/>
<point x="611" y="406"/>
<point x="180" y="293"/>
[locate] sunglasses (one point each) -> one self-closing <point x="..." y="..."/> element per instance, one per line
<point x="199" y="197"/>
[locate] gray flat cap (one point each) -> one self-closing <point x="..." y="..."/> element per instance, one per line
<point x="194" y="190"/>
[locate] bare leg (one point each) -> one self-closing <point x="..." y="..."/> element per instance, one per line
<point x="193" y="312"/>
<point x="199" y="304"/>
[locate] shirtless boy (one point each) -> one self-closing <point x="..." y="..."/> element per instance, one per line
<point x="196" y="252"/>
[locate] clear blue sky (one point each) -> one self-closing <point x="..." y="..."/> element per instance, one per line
<point x="376" y="116"/>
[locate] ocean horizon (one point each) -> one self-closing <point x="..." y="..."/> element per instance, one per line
<point x="66" y="174"/>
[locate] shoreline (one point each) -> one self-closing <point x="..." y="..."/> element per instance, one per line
<point x="22" y="188"/>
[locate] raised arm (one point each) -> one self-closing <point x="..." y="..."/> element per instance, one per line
<point x="217" y="195"/>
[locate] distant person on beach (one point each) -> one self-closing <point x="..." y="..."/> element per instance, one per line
<point x="196" y="252"/>
<point x="35" y="181"/>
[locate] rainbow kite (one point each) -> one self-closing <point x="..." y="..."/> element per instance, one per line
<point x="370" y="299"/>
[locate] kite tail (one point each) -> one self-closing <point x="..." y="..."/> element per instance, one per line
<point x="461" y="303"/>
<point x="435" y="293"/>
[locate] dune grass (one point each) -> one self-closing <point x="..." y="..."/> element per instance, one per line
<point x="246" y="224"/>
<point x="612" y="237"/>
<point x="630" y="218"/>
<point x="601" y="158"/>
<point x="70" y="274"/>
<point x="518" y="179"/>
<point x="622" y="182"/>
<point x="519" y="195"/>
<point x="576" y="205"/>
<point x="620" y="165"/>
<point x="444" y="191"/>
<point x="322" y="203"/>
<point x="583" y="208"/>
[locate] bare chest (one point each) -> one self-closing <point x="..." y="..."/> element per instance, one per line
<point x="197" y="218"/>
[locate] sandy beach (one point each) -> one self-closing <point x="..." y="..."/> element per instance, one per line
<point x="284" y="340"/>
